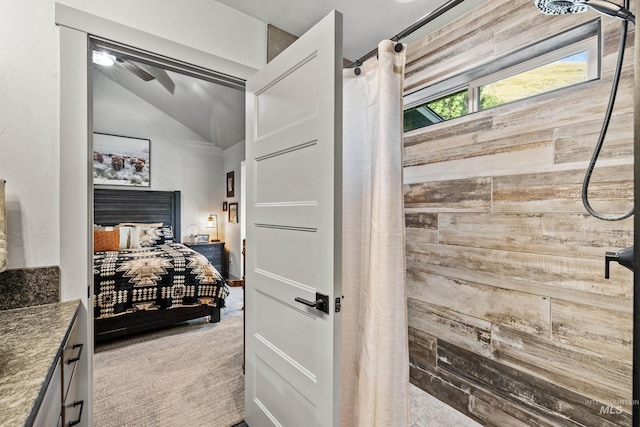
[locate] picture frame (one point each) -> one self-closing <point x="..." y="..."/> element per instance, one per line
<point x="224" y="206"/>
<point x="121" y="160"/>
<point x="230" y="184"/>
<point x="233" y="212"/>
<point x="202" y="238"/>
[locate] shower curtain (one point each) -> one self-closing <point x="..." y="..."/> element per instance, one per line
<point x="375" y="357"/>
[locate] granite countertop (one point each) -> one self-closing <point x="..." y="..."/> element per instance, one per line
<point x="31" y="339"/>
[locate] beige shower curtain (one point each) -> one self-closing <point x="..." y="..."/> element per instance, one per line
<point x="375" y="359"/>
<point x="3" y="229"/>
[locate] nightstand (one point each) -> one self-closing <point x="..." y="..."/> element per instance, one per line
<point x="214" y="253"/>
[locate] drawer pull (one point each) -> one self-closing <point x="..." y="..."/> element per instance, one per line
<point x="76" y="403"/>
<point x="75" y="359"/>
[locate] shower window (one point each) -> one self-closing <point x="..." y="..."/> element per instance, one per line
<point x="563" y="60"/>
<point x="545" y="78"/>
<point x="559" y="69"/>
<point x="438" y="110"/>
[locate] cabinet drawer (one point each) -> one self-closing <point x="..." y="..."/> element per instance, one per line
<point x="70" y="357"/>
<point x="73" y="408"/>
<point x="49" y="411"/>
<point x="211" y="251"/>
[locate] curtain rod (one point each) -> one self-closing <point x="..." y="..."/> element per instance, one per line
<point x="414" y="27"/>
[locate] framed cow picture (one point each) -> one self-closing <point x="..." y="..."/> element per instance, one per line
<point x="121" y="160"/>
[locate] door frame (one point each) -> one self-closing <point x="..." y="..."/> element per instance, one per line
<point x="76" y="195"/>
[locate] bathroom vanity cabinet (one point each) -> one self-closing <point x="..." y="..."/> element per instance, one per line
<point x="40" y="352"/>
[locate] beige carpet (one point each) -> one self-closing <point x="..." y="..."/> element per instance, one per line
<point x="189" y="375"/>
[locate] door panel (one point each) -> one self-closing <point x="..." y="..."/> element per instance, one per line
<point x="288" y="100"/>
<point x="282" y="171"/>
<point x="293" y="261"/>
<point x="293" y="152"/>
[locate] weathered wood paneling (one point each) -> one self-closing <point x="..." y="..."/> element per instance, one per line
<point x="465" y="393"/>
<point x="522" y="311"/>
<point x="611" y="190"/>
<point x="424" y="235"/>
<point x="570" y="235"/>
<point x="596" y="329"/>
<point x="490" y="414"/>
<point x="460" y="195"/>
<point x="448" y="393"/>
<point x="511" y="319"/>
<point x="417" y="154"/>
<point x="447" y="135"/>
<point x="531" y="159"/>
<point x="531" y="392"/>
<point x="575" y="143"/>
<point x="584" y="372"/>
<point x="468" y="332"/>
<point x="475" y="402"/>
<point x="422" y="347"/>
<point x="421" y="220"/>
<point x="571" y="279"/>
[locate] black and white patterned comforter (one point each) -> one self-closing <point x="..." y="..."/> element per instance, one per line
<point x="153" y="278"/>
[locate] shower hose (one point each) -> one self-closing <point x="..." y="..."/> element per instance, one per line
<point x="603" y="131"/>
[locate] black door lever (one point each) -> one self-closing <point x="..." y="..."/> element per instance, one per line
<point x="321" y="303"/>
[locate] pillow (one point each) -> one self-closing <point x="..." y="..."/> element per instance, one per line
<point x="134" y="238"/>
<point x="153" y="236"/>
<point x="106" y="240"/>
<point x="125" y="236"/>
<point x="135" y="235"/>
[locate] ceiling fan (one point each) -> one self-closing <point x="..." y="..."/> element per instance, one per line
<point x="143" y="71"/>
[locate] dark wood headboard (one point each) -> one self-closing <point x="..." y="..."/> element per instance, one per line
<point x="111" y="207"/>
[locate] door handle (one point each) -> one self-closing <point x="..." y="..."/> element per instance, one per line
<point x="321" y="303"/>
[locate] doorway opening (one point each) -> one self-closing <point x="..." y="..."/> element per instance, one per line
<point x="190" y="117"/>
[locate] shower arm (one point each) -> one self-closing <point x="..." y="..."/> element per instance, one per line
<point x="611" y="9"/>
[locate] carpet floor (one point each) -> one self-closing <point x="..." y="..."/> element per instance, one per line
<point x="186" y="375"/>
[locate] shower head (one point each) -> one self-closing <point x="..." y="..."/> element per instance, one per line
<point x="559" y="7"/>
<point x="562" y="7"/>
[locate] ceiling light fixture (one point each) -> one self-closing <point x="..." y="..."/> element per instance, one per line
<point x="103" y="58"/>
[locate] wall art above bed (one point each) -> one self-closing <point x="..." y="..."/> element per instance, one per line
<point x="121" y="160"/>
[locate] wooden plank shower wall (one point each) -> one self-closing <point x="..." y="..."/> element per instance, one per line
<point x="510" y="318"/>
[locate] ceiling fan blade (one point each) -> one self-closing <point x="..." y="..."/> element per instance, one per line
<point x="136" y="70"/>
<point x="161" y="75"/>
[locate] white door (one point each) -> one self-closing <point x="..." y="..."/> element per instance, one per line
<point x="293" y="162"/>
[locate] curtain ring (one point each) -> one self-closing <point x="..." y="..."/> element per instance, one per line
<point x="398" y="47"/>
<point x="357" y="70"/>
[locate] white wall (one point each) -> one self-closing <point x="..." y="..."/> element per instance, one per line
<point x="180" y="158"/>
<point x="29" y="147"/>
<point x="202" y="24"/>
<point x="29" y="89"/>
<point x="233" y="156"/>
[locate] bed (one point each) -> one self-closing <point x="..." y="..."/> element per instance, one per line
<point x="159" y="283"/>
